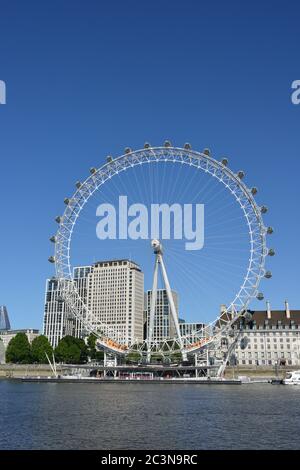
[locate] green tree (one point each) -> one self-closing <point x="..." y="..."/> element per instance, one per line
<point x="71" y="350"/>
<point x="93" y="353"/>
<point x="19" y="350"/>
<point x="39" y="347"/>
<point x="133" y="357"/>
<point x="99" y="355"/>
<point x="176" y="356"/>
<point x="91" y="343"/>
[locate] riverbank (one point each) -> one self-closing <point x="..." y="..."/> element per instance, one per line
<point x="32" y="370"/>
<point x="97" y="381"/>
<point x="44" y="370"/>
<point x="259" y="372"/>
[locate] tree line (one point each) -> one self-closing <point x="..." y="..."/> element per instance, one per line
<point x="69" y="350"/>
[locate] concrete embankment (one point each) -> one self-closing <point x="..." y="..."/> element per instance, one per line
<point x="259" y="372"/>
<point x="32" y="370"/>
<point x="44" y="370"/>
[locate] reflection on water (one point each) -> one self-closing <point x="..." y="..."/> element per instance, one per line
<point x="148" y="416"/>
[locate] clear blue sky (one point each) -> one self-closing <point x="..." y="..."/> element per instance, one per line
<point x="87" y="78"/>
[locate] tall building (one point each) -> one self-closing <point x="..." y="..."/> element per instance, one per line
<point x="58" y="319"/>
<point x="80" y="276"/>
<point x="113" y="292"/>
<point x="4" y="319"/>
<point x="190" y="329"/>
<point x="164" y="326"/>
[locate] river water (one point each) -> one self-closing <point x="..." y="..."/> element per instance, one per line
<point x="148" y="416"/>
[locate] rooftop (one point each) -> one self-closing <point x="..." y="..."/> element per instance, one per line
<point x="271" y="318"/>
<point x="14" y="332"/>
<point x="115" y="262"/>
<point x="260" y="317"/>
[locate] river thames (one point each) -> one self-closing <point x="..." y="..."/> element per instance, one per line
<point x="148" y="416"/>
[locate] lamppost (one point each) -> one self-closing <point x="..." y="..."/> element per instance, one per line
<point x="276" y="368"/>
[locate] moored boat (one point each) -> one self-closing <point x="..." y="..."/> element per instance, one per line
<point x="292" y="378"/>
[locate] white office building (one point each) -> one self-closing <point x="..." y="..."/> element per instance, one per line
<point x="115" y="298"/>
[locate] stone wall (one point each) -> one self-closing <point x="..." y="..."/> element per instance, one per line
<point x="21" y="370"/>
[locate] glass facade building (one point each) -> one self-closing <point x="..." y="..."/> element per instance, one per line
<point x="4" y="319"/>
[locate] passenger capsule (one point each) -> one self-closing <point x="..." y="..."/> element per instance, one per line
<point x="128" y="150"/>
<point x="58" y="219"/>
<point x="224" y="161"/>
<point x="260" y="296"/>
<point x="93" y="170"/>
<point x="206" y="152"/>
<point x="263" y="209"/>
<point x="254" y="191"/>
<point x="271" y="252"/>
<point x="268" y="275"/>
<point x="51" y="259"/>
<point x="244" y="342"/>
<point x="67" y="201"/>
<point x="187" y="146"/>
<point x="167" y="143"/>
<point x="147" y="145"/>
<point x="241" y="175"/>
<point x="53" y="239"/>
<point x="270" y="230"/>
<point x="78" y="184"/>
<point x="109" y="159"/>
<point x="248" y="317"/>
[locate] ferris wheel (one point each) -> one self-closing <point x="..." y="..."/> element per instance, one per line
<point x="255" y="271"/>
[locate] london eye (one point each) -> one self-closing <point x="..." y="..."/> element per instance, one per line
<point x="248" y="286"/>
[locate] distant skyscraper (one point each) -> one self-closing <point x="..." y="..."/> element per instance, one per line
<point x="164" y="326"/>
<point x="113" y="292"/>
<point x="4" y="319"/>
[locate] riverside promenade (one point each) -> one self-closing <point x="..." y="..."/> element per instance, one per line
<point x="43" y="370"/>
